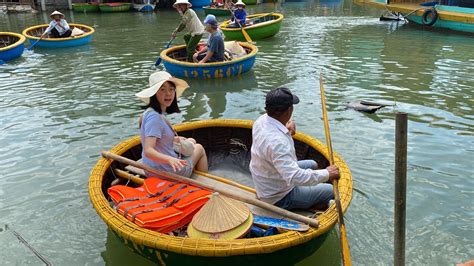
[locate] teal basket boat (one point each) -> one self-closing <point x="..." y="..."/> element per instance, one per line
<point x="264" y="26"/>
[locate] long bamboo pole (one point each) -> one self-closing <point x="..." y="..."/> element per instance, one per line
<point x="346" y="253"/>
<point x="226" y="192"/>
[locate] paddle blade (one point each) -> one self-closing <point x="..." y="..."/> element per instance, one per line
<point x="346" y="252"/>
<point x="158" y="61"/>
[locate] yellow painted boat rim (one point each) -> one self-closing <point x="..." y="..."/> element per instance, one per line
<point x="27" y="35"/>
<point x="164" y="56"/>
<point x="210" y="247"/>
<point x="279" y="16"/>
<point x="11" y="46"/>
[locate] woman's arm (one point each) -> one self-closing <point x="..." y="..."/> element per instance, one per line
<point x="150" y="152"/>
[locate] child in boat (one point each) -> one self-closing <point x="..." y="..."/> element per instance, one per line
<point x="158" y="138"/>
<point x="58" y="27"/>
<point x="214" y="52"/>
<point x="192" y="24"/>
<point x="239" y="15"/>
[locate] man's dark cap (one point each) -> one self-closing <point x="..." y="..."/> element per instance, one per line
<point x="281" y="97"/>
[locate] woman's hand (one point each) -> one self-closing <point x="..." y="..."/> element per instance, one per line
<point x="177" y="164"/>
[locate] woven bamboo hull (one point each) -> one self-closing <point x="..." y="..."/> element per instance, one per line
<point x="115" y="7"/>
<point x="215" y="135"/>
<point x="217" y="11"/>
<point x="15" y="46"/>
<point x="33" y="34"/>
<point x="85" y="7"/>
<point x="217" y="70"/>
<point x="257" y="31"/>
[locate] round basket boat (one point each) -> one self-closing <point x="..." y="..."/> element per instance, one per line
<point x="264" y="26"/>
<point x="200" y="3"/>
<point x="12" y="45"/>
<point x="86" y="7"/>
<point x="115" y="7"/>
<point x="34" y="33"/>
<point x="174" y="62"/>
<point x="219" y="138"/>
<point x="217" y="11"/>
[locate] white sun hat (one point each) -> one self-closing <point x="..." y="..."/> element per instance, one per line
<point x="239" y="2"/>
<point x="56" y="13"/>
<point x="182" y="2"/>
<point x="156" y="80"/>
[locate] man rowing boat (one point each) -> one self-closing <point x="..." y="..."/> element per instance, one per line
<point x="279" y="178"/>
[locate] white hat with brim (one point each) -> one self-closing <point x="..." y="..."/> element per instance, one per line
<point x="182" y="2"/>
<point x="239" y="3"/>
<point x="56" y="13"/>
<point x="156" y="80"/>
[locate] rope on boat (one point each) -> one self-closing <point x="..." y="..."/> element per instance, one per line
<point x="400" y="15"/>
<point x="22" y="240"/>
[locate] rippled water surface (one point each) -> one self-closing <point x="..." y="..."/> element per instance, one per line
<point x="59" y="108"/>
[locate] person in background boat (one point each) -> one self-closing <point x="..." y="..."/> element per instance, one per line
<point x="228" y="4"/>
<point x="217" y="3"/>
<point x="279" y="178"/>
<point x="214" y="51"/>
<point x="191" y="23"/>
<point x="157" y="135"/>
<point x="58" y="27"/>
<point x="239" y="15"/>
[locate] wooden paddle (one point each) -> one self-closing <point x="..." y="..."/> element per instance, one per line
<point x="226" y="192"/>
<point x="158" y="61"/>
<point x="34" y="44"/>
<point x="244" y="32"/>
<point x="346" y="253"/>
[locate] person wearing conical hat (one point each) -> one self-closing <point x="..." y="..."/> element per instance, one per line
<point x="239" y="15"/>
<point x="157" y="135"/>
<point x="58" y="27"/>
<point x="191" y="23"/>
<point x="279" y="177"/>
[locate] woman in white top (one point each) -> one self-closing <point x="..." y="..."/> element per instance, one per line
<point x="58" y="27"/>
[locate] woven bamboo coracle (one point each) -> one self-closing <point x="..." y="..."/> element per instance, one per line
<point x="217" y="138"/>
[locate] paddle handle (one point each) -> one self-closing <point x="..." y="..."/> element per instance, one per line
<point x="158" y="61"/>
<point x="345" y="250"/>
<point x="226" y="192"/>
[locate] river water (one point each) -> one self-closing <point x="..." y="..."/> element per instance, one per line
<point x="60" y="108"/>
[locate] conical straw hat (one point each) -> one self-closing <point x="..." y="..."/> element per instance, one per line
<point x="220" y="214"/>
<point x="235" y="233"/>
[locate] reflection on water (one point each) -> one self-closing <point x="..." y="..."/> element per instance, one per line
<point x="59" y="108"/>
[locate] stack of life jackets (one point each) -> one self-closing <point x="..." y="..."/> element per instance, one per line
<point x="158" y="204"/>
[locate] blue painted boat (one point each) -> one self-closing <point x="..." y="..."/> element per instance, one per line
<point x="174" y="62"/>
<point x="456" y="15"/>
<point x="33" y="34"/>
<point x="200" y="3"/>
<point x="12" y="45"/>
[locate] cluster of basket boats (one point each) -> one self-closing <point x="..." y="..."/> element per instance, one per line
<point x="263" y="26"/>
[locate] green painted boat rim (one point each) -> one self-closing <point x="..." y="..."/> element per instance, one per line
<point x="279" y="18"/>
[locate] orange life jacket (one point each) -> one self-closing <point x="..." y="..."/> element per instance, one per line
<point x="160" y="205"/>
